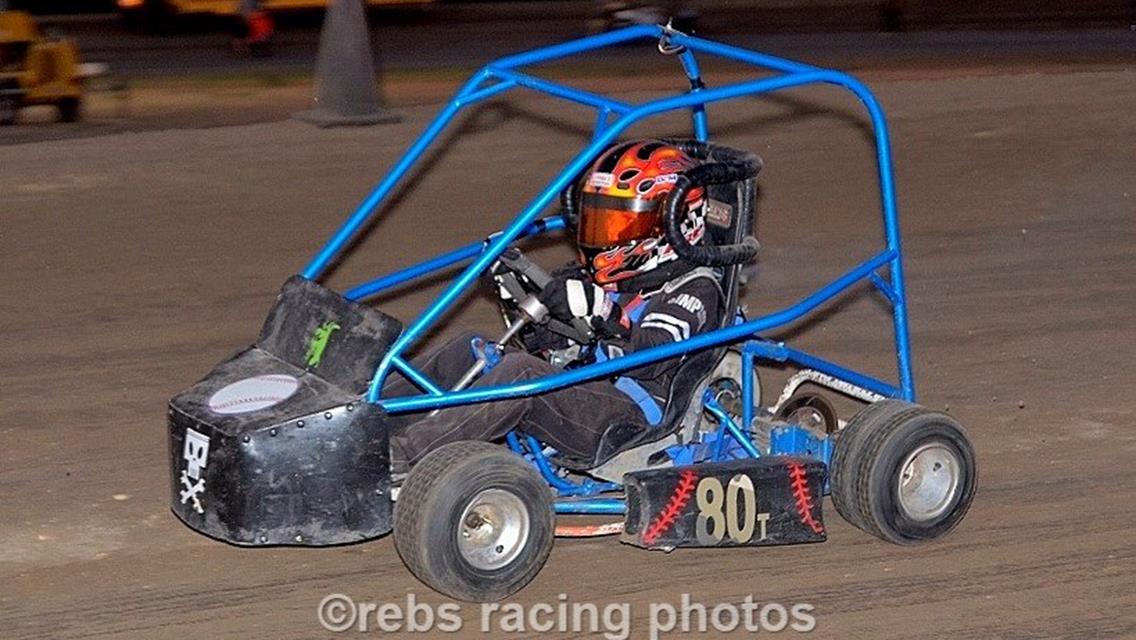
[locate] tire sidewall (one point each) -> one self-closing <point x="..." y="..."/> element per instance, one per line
<point x="845" y="458"/>
<point x="451" y="499"/>
<point x="921" y="430"/>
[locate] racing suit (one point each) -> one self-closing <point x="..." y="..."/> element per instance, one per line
<point x="573" y="419"/>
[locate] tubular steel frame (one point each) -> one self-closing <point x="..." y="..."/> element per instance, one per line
<point x="503" y="75"/>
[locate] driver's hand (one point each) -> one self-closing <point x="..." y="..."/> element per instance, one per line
<point x="574" y="295"/>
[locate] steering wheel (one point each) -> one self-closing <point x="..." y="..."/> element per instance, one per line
<point x="520" y="279"/>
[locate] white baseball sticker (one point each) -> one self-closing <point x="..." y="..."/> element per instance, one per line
<point x="253" y="394"/>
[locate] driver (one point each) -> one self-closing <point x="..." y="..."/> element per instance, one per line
<point x="632" y="289"/>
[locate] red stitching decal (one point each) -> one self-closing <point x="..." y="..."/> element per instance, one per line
<point x="800" y="485"/>
<point x="683" y="490"/>
<point x="236" y="401"/>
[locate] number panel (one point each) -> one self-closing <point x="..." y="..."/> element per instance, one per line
<point x="754" y="502"/>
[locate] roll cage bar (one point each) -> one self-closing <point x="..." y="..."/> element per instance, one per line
<point x="503" y="75"/>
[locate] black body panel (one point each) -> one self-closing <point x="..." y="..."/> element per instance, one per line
<point x="311" y="469"/>
<point x="707" y="505"/>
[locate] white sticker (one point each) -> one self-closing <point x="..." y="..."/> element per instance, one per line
<point x="195" y="453"/>
<point x="601" y="180"/>
<point x="719" y="213"/>
<point x="253" y="394"/>
<point x="196" y="456"/>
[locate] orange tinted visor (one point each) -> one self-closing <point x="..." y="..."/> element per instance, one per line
<point x="607" y="221"/>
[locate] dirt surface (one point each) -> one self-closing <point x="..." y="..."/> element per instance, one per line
<point x="135" y="261"/>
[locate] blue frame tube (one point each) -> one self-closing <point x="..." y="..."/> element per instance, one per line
<point x="635" y="359"/>
<point x="779" y="352"/>
<point x="591" y="506"/>
<point x="698" y="112"/>
<point x="564" y="487"/>
<point x="747" y="386"/>
<point x="560" y="91"/>
<point x="573" y="47"/>
<point x="884" y="287"/>
<point x="794" y="74"/>
<point x="366" y="209"/>
<point x="727" y="424"/>
<point x="810" y="361"/>
<point x="448" y="259"/>
<point x="531" y="449"/>
<point x="575" y="167"/>
<point x="413" y="272"/>
<point x="417" y="377"/>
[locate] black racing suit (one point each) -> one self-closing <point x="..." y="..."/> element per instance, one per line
<point x="572" y="419"/>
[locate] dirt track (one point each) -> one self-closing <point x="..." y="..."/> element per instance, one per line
<point x="134" y="262"/>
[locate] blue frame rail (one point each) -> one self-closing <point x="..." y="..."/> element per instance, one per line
<point x="504" y="75"/>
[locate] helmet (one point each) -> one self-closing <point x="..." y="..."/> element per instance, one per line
<point x="620" y="228"/>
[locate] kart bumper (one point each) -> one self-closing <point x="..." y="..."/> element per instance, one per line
<point x="764" y="501"/>
<point x="274" y="446"/>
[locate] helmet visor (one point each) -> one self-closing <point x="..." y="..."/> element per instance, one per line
<point x="607" y="221"/>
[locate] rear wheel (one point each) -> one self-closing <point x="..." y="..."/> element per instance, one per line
<point x="810" y="411"/>
<point x="848" y="441"/>
<point x="474" y="521"/>
<point x="905" y="475"/>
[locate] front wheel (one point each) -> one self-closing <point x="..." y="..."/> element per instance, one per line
<point x="474" y="521"/>
<point x="912" y="476"/>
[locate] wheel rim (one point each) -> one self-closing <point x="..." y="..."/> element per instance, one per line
<point x="494" y="529"/>
<point x="928" y="481"/>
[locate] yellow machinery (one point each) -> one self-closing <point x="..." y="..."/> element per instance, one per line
<point x="146" y="12"/>
<point x="35" y="69"/>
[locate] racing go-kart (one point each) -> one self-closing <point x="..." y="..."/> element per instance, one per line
<point x="287" y="442"/>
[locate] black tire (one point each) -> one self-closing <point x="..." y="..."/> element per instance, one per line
<point x="848" y="440"/>
<point x="9" y="107"/>
<point x="69" y="109"/>
<point x="429" y="512"/>
<point x="888" y="444"/>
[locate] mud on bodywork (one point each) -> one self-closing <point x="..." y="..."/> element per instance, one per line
<point x="309" y="466"/>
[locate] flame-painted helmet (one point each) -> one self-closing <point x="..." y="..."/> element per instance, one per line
<point x="620" y="228"/>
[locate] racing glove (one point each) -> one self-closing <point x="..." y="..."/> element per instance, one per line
<point x="571" y="294"/>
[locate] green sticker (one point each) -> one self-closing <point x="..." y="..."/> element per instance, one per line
<point x="318" y="343"/>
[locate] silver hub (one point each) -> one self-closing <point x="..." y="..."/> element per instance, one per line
<point x="929" y="481"/>
<point x="493" y="529"/>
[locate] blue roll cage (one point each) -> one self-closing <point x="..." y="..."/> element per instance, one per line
<point x="503" y="75"/>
